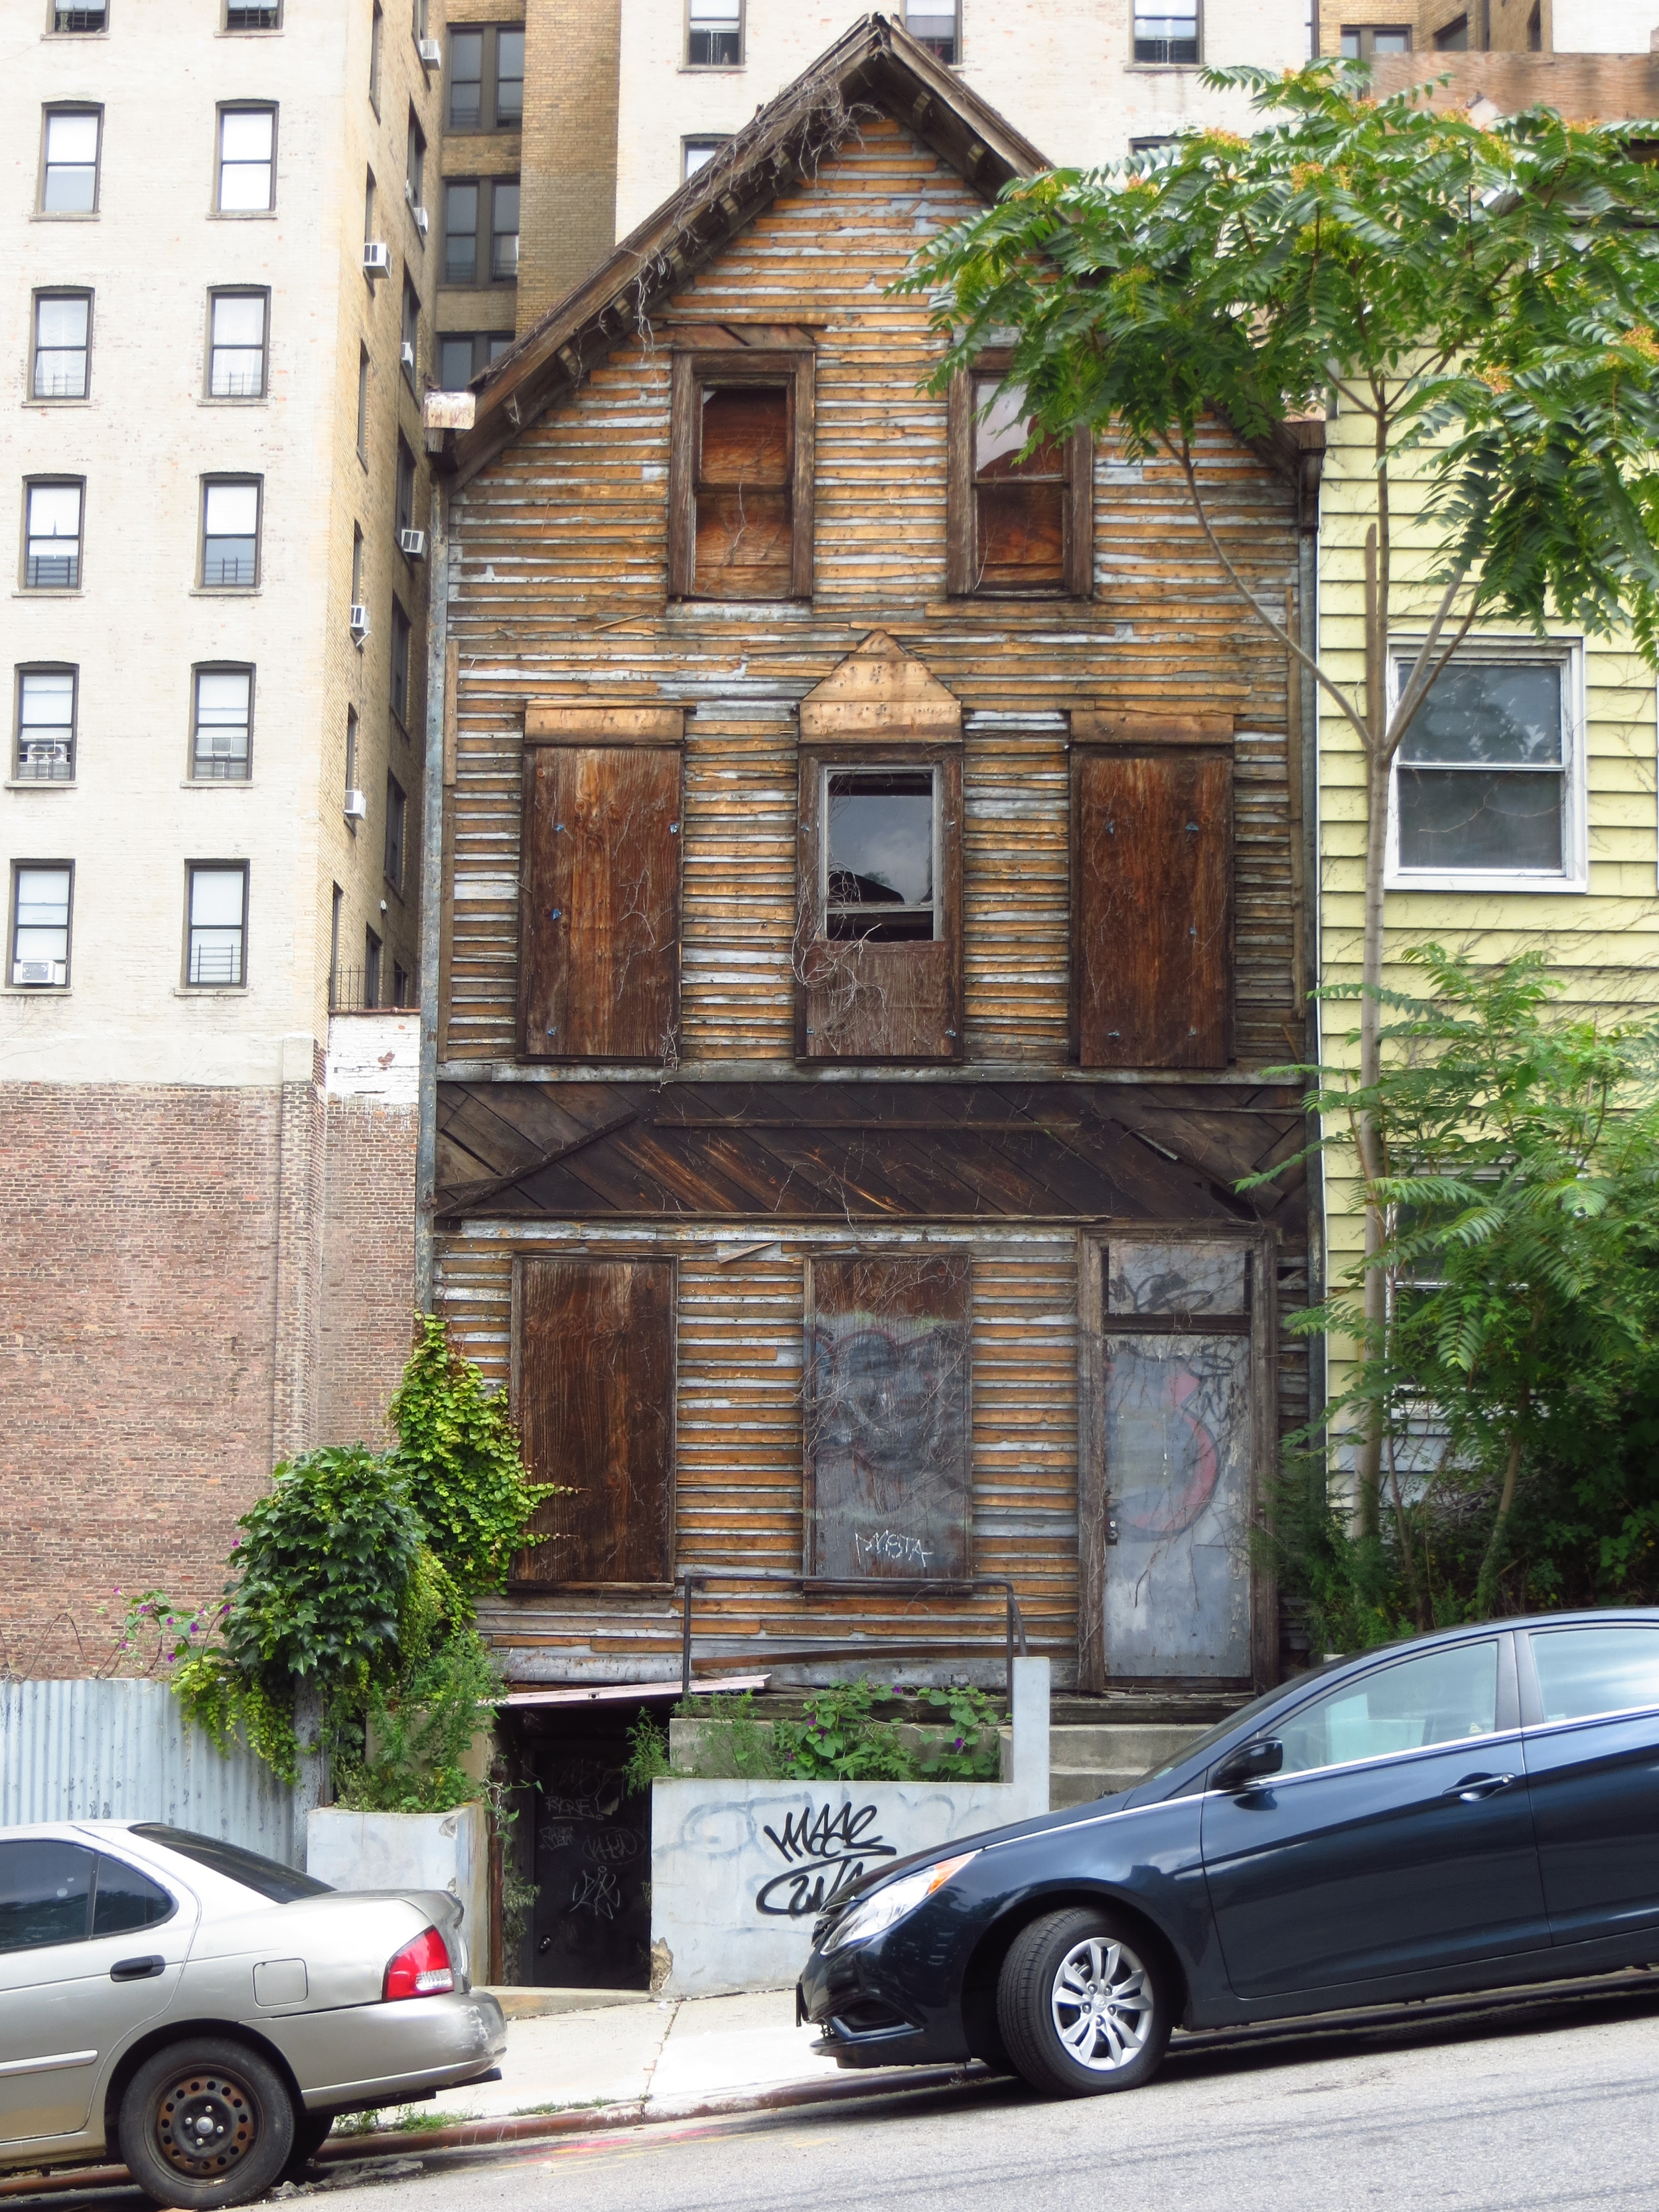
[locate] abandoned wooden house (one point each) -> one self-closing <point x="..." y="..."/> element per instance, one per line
<point x="872" y="894"/>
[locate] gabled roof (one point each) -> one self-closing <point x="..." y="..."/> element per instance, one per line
<point x="874" y="64"/>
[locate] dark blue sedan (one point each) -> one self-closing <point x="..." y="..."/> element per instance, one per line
<point x="1471" y="1809"/>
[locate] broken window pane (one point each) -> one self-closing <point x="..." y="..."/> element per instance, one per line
<point x="1176" y="1278"/>
<point x="887" y="1431"/>
<point x="1019" y="498"/>
<point x="1482" y="776"/>
<point x="878" y="855"/>
<point x="744" y="533"/>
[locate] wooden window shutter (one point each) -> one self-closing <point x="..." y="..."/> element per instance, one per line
<point x="741" y="451"/>
<point x="1151" y="899"/>
<point x="989" y="538"/>
<point x="887" y="1422"/>
<point x="594" y="1379"/>
<point x="600" y="884"/>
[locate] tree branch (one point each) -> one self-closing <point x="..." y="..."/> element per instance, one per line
<point x="1418" y="684"/>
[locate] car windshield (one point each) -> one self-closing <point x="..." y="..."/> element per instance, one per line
<point x="267" y="1878"/>
<point x="1222" y="1729"/>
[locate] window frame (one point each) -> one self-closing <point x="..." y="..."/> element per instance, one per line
<point x="18" y="868"/>
<point x="716" y="68"/>
<point x="22" y="671"/>
<point x="376" y="54"/>
<point x="483" y="234"/>
<point x="374" y="954"/>
<point x="199" y="669"/>
<point x="1506" y="1707"/>
<point x="490" y="123"/>
<point x="955" y="62"/>
<point x="795" y="367"/>
<point x="362" y="404"/>
<point x="405" y="487"/>
<point x="409" y="334"/>
<point x="44" y="292"/>
<point x="394" y="844"/>
<point x="1365" y="35"/>
<point x="1532" y="1718"/>
<point x="57" y="30"/>
<point x="961" y="501"/>
<point x="715" y="141"/>
<point x="48" y="110"/>
<point x="207" y="483"/>
<point x="483" y="359"/>
<point x="226" y="107"/>
<point x="1197" y="61"/>
<point x="229" y="30"/>
<point x="1567" y="655"/>
<point x="822" y="903"/>
<point x="192" y="868"/>
<point x="414" y="168"/>
<point x="400" y="675"/>
<point x="215" y="293"/>
<point x="31" y="485"/>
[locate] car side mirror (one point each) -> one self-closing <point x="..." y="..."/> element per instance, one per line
<point x="1254" y="1762"/>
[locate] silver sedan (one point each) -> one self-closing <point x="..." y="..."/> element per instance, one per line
<point x="203" y="2014"/>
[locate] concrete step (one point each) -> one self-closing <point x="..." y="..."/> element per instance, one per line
<point x="1099" y="1758"/>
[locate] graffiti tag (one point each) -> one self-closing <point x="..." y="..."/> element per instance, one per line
<point x="826" y="1851"/>
<point x="892" y="1547"/>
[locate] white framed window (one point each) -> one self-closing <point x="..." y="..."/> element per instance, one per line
<point x="879" y="856"/>
<point x="713" y="35"/>
<point x="62" y="345"/>
<point x="52" y="545"/>
<point x="247" y="160"/>
<point x="69" y="160"/>
<point x="223" y="724"/>
<point x="1167" y="36"/>
<point x="933" y="24"/>
<point x="1487" y="789"/>
<point x="41" y="892"/>
<point x="46" y="726"/>
<point x="697" y="153"/>
<point x="216" y="923"/>
<point x="230" y="533"/>
<point x="236" y="345"/>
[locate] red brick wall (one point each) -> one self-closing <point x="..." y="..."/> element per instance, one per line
<point x="368" y="1267"/>
<point x="138" y="1304"/>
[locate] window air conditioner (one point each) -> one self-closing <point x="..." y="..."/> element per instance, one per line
<point x="408" y="355"/>
<point x="377" y="258"/>
<point x="38" y="972"/>
<point x="358" y="622"/>
<point x="431" y="53"/>
<point x="422" y="222"/>
<point x="413" y="542"/>
<point x="356" y="806"/>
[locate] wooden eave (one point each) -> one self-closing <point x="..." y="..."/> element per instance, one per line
<point x="875" y="63"/>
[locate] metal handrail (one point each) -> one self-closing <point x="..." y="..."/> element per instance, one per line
<point x="693" y="1578"/>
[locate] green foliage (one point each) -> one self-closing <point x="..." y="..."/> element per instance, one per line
<point x="840" y="1739"/>
<point x="1514" y="1375"/>
<point x="648" y="1755"/>
<point x="459" y="1453"/>
<point x="419" y="1726"/>
<point x="970" y="1751"/>
<point x="1490" y="289"/>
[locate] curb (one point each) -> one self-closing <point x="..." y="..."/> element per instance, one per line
<point x="534" y="2127"/>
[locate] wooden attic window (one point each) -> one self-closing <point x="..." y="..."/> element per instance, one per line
<point x="740" y="474"/>
<point x="1016" y="523"/>
<point x="1153" y="891"/>
<point x="599" y="883"/>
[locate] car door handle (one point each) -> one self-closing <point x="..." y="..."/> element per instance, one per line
<point x="136" y="1970"/>
<point x="1474" y="1787"/>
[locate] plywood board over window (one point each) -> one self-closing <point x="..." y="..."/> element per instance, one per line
<point x="740" y="494"/>
<point x="593" y="1392"/>
<point x="1020" y="510"/>
<point x="599" y="898"/>
<point x="1153" y="891"/>
<point x="888" y="1427"/>
<point x="879" y="920"/>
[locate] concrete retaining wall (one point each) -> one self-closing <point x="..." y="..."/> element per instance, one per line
<point x="411" y="1851"/>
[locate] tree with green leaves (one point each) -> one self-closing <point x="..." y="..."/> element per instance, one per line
<point x="1484" y="296"/>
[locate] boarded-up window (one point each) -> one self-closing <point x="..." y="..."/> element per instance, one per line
<point x="599" y="955"/>
<point x="878" y="935"/>
<point x="1021" y="514"/>
<point x="888" y="1484"/>
<point x="741" y="467"/>
<point x="593" y="1373"/>
<point x="1152" y="953"/>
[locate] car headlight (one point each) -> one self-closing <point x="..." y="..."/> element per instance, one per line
<point x="884" y="1907"/>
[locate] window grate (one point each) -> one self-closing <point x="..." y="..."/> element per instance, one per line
<point x="260" y="16"/>
<point x="92" y="17"/>
<point x="360" y="990"/>
<point x="54" y="571"/>
<point x="1170" y="39"/>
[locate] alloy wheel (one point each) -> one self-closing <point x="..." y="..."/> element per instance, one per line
<point x="1102" y="2004"/>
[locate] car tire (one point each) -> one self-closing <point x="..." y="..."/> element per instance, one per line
<point x="206" y="2123"/>
<point x="311" y="2132"/>
<point x="1083" y="2004"/>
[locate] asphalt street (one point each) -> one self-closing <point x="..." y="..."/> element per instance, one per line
<point x="1538" y="2107"/>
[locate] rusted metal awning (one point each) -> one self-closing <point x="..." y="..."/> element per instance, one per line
<point x="603" y="1693"/>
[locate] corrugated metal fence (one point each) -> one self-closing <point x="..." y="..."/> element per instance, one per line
<point x="121" y="1751"/>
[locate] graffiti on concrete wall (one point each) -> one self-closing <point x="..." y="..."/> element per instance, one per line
<point x="825" y="1852"/>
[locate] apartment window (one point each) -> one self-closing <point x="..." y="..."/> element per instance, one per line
<point x="85" y="15"/>
<point x="461" y="234"/>
<point x="1535" y="29"/>
<point x="69" y="167"/>
<point x="713" y="35"/>
<point x="219" y="748"/>
<point x="216" y="926"/>
<point x="1453" y="37"/>
<point x="230" y="532"/>
<point x="46" y="726"/>
<point x="1361" y="41"/>
<point x="463" y="354"/>
<point x="247" y="160"/>
<point x="934" y="25"/>
<point x="376" y="41"/>
<point x="418" y="19"/>
<point x="740" y="477"/>
<point x="236" y="345"/>
<point x="40" y="893"/>
<point x="414" y="168"/>
<point x="368" y="207"/>
<point x="357" y="565"/>
<point x="399" y="664"/>
<point x="1488" y="781"/>
<point x="410" y="354"/>
<point x="1170" y="36"/>
<point x="371" y="969"/>
<point x="1019" y="520"/>
<point x="335" y="904"/>
<point x="362" y="403"/>
<point x="504" y="231"/>
<point x="486" y="79"/>
<point x="353" y="810"/>
<point x="397" y="808"/>
<point x="697" y="153"/>
<point x="405" y="506"/>
<point x="253" y="15"/>
<point x="401" y="993"/>
<point x="1160" y="144"/>
<point x="62" y="345"/>
<point x="52" y="551"/>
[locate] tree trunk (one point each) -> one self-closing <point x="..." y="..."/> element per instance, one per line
<point x="1485" y="1588"/>
<point x="1367" y="1136"/>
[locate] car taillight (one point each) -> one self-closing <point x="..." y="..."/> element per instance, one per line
<point x="421" y="1969"/>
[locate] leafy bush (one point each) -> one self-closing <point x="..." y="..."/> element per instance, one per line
<point x="418" y="1729"/>
<point x="838" y="1737"/>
